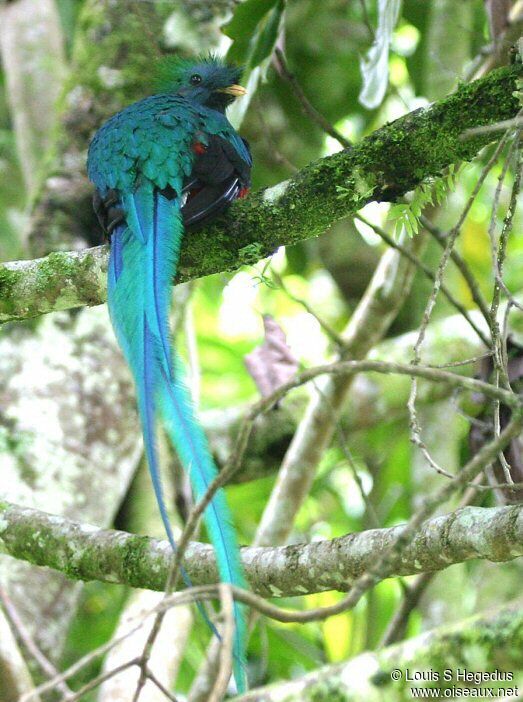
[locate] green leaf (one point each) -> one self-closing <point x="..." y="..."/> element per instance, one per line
<point x="267" y="35"/>
<point x="411" y="223"/>
<point x="257" y="57"/>
<point x="243" y="25"/>
<point x="397" y="211"/>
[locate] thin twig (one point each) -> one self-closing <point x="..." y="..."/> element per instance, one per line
<point x="329" y="331"/>
<point x="461" y="265"/>
<point x="96" y="682"/>
<point x="498" y="249"/>
<point x="497" y="127"/>
<point x="415" y="428"/>
<point x="152" y="677"/>
<point x="226" y="644"/>
<point x="465" y="362"/>
<point x="341" y="368"/>
<point x="144" y="658"/>
<point x="499" y="255"/>
<point x="308" y="108"/>
<point x="498" y="252"/>
<point x="427" y="272"/>
<point x="29" y="644"/>
<point x="369" y="507"/>
<point x="79" y="665"/>
<point x="453" y="235"/>
<point x="411" y="597"/>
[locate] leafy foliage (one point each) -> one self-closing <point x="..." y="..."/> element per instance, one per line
<point x="254" y="29"/>
<point x="405" y="215"/>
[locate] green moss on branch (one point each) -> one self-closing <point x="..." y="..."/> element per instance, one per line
<point x="383" y="166"/>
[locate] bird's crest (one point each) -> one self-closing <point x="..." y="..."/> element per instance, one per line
<point x="173" y="71"/>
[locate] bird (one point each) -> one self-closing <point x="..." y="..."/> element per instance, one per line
<point x="161" y="166"/>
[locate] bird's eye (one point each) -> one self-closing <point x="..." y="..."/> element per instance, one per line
<point x="195" y="79"/>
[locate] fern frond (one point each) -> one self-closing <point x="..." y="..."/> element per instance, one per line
<point x="406" y="215"/>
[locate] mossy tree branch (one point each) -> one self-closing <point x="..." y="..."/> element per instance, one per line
<point x="382" y="167"/>
<point x="86" y="552"/>
<point x="491" y="641"/>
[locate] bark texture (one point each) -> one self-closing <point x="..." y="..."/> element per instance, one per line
<point x="85" y="552"/>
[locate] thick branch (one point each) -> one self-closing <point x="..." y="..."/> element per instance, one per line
<point x="89" y="553"/>
<point x="383" y="166"/>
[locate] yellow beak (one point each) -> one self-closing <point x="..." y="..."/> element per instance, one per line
<point x="236" y="90"/>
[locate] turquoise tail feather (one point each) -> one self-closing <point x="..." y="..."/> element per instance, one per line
<point x="142" y="265"/>
<point x="188" y="437"/>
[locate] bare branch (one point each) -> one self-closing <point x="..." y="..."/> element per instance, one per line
<point x="25" y="637"/>
<point x="87" y="553"/>
<point x="308" y="108"/>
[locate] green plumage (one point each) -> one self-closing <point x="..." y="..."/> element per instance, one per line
<point x="151" y="138"/>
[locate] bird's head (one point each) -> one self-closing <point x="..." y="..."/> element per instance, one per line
<point x="208" y="81"/>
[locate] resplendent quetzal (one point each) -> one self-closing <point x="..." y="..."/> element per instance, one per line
<point x="163" y="164"/>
